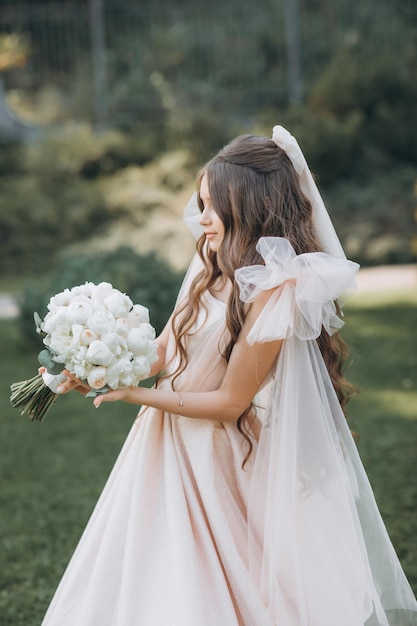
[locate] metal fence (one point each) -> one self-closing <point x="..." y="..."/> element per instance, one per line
<point x="258" y="53"/>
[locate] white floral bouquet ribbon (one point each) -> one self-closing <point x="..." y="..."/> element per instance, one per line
<point x="98" y="335"/>
<point x="309" y="285"/>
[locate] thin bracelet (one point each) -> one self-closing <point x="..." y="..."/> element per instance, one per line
<point x="180" y="403"/>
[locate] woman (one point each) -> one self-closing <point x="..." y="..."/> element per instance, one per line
<point x="239" y="497"/>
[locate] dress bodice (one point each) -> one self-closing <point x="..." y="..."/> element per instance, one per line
<point x="206" y="344"/>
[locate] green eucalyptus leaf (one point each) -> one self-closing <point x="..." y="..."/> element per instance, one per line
<point x="38" y="323"/>
<point x="96" y="392"/>
<point x="46" y="360"/>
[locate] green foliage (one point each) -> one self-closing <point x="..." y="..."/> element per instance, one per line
<point x="356" y="119"/>
<point x="190" y="78"/>
<point x="383" y="91"/>
<point x="375" y="217"/>
<point x="145" y="278"/>
<point x="51" y="194"/>
<point x="354" y="129"/>
<point x="329" y="143"/>
<point x="35" y="222"/>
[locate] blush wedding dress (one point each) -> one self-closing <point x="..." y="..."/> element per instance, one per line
<point x="183" y="536"/>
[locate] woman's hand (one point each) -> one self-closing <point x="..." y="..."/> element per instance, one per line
<point x="71" y="384"/>
<point x="114" y="396"/>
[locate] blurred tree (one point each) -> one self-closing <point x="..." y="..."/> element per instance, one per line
<point x="14" y="51"/>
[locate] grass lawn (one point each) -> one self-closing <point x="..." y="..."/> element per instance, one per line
<point x="52" y="473"/>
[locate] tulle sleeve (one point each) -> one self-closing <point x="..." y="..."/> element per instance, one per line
<point x="318" y="548"/>
<point x="307" y="287"/>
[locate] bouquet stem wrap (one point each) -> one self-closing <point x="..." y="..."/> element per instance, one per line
<point x="33" y="397"/>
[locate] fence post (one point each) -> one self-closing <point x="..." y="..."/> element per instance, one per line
<point x="292" y="36"/>
<point x="98" y="58"/>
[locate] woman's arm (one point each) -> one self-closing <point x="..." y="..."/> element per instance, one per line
<point x="247" y="369"/>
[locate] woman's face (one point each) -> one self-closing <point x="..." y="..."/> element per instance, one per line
<point x="209" y="220"/>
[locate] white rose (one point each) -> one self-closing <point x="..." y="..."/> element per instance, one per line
<point x="101" y="322"/>
<point x="141" y="367"/>
<point x="118" y="303"/>
<point x="97" y="377"/>
<point x="79" y="311"/>
<point x="98" y="353"/>
<point x="138" y="315"/>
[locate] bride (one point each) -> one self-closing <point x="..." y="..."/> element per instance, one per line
<point x="239" y="497"/>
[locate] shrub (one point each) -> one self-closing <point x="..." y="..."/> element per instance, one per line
<point x="36" y="223"/>
<point x="145" y="278"/>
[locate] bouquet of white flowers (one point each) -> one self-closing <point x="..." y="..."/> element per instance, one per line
<point x="97" y="334"/>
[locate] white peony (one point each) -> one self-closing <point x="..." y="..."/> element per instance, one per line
<point x="122" y="326"/>
<point x="54" y="319"/>
<point x="141" y="367"/>
<point x="152" y="352"/>
<point x="63" y="341"/>
<point x="87" y="336"/>
<point x="100" y="336"/>
<point x="82" y="370"/>
<point x="117" y="369"/>
<point x="137" y="340"/>
<point x="102" y="291"/>
<point x="101" y="322"/>
<point x="127" y="378"/>
<point x="118" y="303"/>
<point x="83" y="290"/>
<point x="97" y="377"/>
<point x="138" y="315"/>
<point x="79" y="311"/>
<point x="99" y="353"/>
<point x="149" y="330"/>
<point x="115" y="342"/>
<point x="61" y="299"/>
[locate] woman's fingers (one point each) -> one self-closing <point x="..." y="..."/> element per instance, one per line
<point x="72" y="384"/>
<point x="110" y="396"/>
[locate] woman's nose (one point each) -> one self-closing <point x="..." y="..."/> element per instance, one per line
<point x="204" y="217"/>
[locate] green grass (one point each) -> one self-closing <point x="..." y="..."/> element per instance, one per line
<point x="52" y="473"/>
<point x="382" y="333"/>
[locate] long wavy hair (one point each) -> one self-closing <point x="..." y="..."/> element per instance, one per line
<point x="255" y="191"/>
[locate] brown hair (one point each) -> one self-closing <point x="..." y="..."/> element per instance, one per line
<point x="255" y="191"/>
